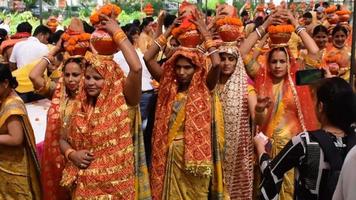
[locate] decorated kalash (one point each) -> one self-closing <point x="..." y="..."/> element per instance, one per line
<point x="103" y="144"/>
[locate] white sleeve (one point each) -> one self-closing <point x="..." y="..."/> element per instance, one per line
<point x="345" y="189"/>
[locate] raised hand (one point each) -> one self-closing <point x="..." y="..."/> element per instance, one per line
<point x="109" y="24"/>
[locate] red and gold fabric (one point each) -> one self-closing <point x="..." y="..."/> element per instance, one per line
<point x="107" y="131"/>
<point x="197" y="153"/>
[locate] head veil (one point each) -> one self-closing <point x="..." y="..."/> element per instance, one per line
<point x="105" y="131"/>
<point x="197" y="125"/>
<point x="238" y="158"/>
<point x="302" y="96"/>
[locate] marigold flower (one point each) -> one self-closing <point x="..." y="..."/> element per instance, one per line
<point x="94" y="18"/>
<point x="70" y="48"/>
<point x="229" y="20"/>
<point x="281" y="29"/>
<point x="65" y="36"/>
<point x="343" y="12"/>
<point x="330" y="9"/>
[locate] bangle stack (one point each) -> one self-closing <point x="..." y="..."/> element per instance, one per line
<point x="209" y="43"/>
<point x="161" y="41"/>
<point x="119" y="36"/>
<point x="260" y="31"/>
<point x="299" y="29"/>
<point x="68" y="152"/>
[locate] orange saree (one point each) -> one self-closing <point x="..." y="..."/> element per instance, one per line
<point x="105" y="129"/>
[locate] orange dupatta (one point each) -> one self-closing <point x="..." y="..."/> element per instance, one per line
<point x="105" y="131"/>
<point x="197" y="125"/>
<point x="53" y="162"/>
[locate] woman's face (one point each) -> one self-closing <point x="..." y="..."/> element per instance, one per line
<point x="228" y="63"/>
<point x="278" y="64"/>
<point x="94" y="82"/>
<point x="72" y="76"/>
<point x="184" y="70"/>
<point x="339" y="39"/>
<point x="321" y="39"/>
<point x="135" y="38"/>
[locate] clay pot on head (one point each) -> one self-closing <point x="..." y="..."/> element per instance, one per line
<point x="344" y="18"/>
<point x="229" y="33"/>
<point x="103" y="43"/>
<point x="279" y="38"/>
<point x="190" y="39"/>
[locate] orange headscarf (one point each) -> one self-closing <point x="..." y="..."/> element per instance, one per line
<point x="104" y="130"/>
<point x="301" y="94"/>
<point x="197" y="125"/>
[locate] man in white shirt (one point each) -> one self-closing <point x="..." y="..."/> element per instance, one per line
<point x="147" y="89"/>
<point x="29" y="50"/>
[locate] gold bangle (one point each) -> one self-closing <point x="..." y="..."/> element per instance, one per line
<point x="119" y="36"/>
<point x="209" y="44"/>
<point x="162" y="40"/>
<point x="68" y="152"/>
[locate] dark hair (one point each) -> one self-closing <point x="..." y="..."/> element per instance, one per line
<point x="316" y="6"/>
<point x="133" y="30"/>
<point x="325" y="4"/>
<point x="80" y="61"/>
<point x="136" y="22"/>
<point x="168" y="20"/>
<point x="244" y="13"/>
<point x="145" y="22"/>
<point x="339" y="102"/>
<point x="24" y="27"/>
<point x="5" y="74"/>
<point x="258" y="21"/>
<point x="54" y="38"/>
<point x="339" y="28"/>
<point x="274" y="50"/>
<point x="87" y="27"/>
<point x="320" y="29"/>
<point x="308" y="15"/>
<point x="3" y="35"/>
<point x="42" y="29"/>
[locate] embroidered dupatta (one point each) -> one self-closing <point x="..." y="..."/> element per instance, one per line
<point x="197" y="126"/>
<point x="111" y="132"/>
<point x="238" y="157"/>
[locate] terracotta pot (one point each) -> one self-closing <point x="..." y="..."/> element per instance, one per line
<point x="344" y="18"/>
<point x="190" y="39"/>
<point x="229" y="33"/>
<point x="279" y="38"/>
<point x="79" y="50"/>
<point x="103" y="43"/>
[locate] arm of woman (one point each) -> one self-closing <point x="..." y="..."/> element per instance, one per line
<point x="214" y="72"/>
<point x="132" y="86"/>
<point x="150" y="56"/>
<point x="15" y="132"/>
<point x="308" y="41"/>
<point x="273" y="170"/>
<point x="37" y="73"/>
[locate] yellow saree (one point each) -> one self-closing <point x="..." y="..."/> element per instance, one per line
<point x="19" y="169"/>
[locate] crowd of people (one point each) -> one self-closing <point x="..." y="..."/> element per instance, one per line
<point x="193" y="106"/>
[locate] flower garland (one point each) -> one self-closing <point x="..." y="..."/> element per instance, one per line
<point x="73" y="39"/>
<point x="343" y="12"/>
<point x="332" y="58"/>
<point x="281" y="29"/>
<point x="230" y="21"/>
<point x="184" y="27"/>
<point x="331" y="9"/>
<point x="107" y="10"/>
